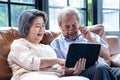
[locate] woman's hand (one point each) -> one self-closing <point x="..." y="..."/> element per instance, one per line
<point x="46" y="62"/>
<point x="61" y="61"/>
<point x="78" y="68"/>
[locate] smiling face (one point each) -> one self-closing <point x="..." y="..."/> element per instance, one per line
<point x="36" y="31"/>
<point x="70" y="26"/>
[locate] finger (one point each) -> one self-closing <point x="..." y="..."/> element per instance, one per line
<point x="84" y="31"/>
<point x="96" y="62"/>
<point x="84" y="63"/>
<point x="79" y="66"/>
<point x="76" y="65"/>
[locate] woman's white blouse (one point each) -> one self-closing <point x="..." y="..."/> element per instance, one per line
<point x="25" y="57"/>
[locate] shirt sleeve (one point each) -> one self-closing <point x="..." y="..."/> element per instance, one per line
<point x="56" y="46"/>
<point x="101" y="40"/>
<point x="23" y="57"/>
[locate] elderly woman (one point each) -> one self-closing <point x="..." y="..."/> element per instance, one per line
<point x="31" y="60"/>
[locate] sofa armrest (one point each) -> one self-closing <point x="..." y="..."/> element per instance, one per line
<point x="114" y="49"/>
<point x="115" y="60"/>
<point x="114" y="44"/>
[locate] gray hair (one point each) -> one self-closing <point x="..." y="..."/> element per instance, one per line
<point x="66" y="11"/>
<point x="26" y="19"/>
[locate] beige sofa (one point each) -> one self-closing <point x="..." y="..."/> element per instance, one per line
<point x="7" y="35"/>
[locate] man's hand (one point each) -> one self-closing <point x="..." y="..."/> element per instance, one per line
<point x="86" y="33"/>
<point x="78" y="68"/>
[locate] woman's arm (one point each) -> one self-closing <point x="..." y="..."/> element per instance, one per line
<point x="45" y="62"/>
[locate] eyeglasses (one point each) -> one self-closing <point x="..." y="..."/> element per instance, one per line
<point x="67" y="27"/>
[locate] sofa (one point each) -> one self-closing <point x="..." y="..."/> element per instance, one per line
<point x="8" y="34"/>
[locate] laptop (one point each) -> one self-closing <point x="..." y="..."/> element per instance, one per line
<point x="90" y="51"/>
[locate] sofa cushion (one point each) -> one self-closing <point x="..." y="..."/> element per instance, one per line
<point x="6" y="38"/>
<point x="49" y="36"/>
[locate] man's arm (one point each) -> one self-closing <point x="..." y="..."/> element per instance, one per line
<point x="104" y="52"/>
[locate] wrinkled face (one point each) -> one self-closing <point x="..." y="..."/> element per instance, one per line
<point x="70" y="26"/>
<point x="36" y="30"/>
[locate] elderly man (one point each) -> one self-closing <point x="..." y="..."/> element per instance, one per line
<point x="69" y="23"/>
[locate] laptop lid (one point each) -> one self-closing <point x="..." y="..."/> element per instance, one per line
<point x="90" y="51"/>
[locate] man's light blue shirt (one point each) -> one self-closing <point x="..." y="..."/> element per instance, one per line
<point x="61" y="45"/>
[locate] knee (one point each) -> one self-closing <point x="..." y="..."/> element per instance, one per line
<point x="101" y="67"/>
